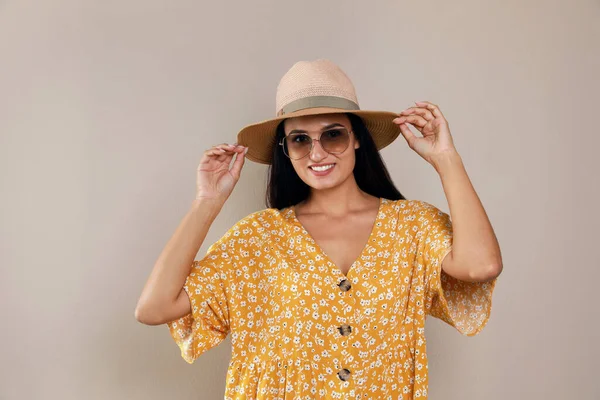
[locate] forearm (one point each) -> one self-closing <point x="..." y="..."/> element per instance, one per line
<point x="475" y="250"/>
<point x="174" y="263"/>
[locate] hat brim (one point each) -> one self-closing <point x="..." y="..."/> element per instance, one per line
<point x="259" y="137"/>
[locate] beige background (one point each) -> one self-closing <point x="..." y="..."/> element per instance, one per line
<point x="106" y="107"/>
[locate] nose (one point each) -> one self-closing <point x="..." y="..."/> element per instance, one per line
<point x="318" y="152"/>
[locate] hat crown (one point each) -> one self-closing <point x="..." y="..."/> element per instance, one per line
<point x="313" y="78"/>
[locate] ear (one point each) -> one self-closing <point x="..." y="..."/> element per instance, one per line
<point x="356" y="143"/>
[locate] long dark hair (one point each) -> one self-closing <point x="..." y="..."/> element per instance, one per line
<point x="285" y="188"/>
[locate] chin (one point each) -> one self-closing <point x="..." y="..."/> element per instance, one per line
<point x="322" y="185"/>
<point x="327" y="182"/>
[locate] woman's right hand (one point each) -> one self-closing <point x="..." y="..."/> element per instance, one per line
<point x="214" y="179"/>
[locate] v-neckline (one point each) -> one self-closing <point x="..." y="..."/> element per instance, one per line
<point x="320" y="250"/>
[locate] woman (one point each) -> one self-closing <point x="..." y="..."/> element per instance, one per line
<point x="325" y="292"/>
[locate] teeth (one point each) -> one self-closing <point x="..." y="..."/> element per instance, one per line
<point x="322" y="168"/>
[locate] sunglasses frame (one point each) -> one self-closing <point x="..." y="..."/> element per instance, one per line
<point x="312" y="142"/>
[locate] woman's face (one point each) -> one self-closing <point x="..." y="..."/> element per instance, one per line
<point x="343" y="163"/>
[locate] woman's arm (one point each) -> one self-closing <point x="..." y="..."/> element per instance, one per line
<point x="475" y="254"/>
<point x="163" y="298"/>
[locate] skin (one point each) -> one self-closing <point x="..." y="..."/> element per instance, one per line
<point x="337" y="214"/>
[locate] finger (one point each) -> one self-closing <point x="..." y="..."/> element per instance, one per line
<point x="222" y="149"/>
<point x="415" y="120"/>
<point x="232" y="149"/>
<point x="226" y="147"/>
<point x="236" y="170"/>
<point x="435" y="110"/>
<point x="217" y="155"/>
<point x="424" y="112"/>
<point x="228" y="154"/>
<point x="214" y="152"/>
<point x="407" y="133"/>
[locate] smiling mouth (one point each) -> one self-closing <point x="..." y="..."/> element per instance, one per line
<point x="322" y="168"/>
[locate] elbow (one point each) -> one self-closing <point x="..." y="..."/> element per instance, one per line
<point x="140" y="315"/>
<point x="494" y="271"/>
<point x="145" y="316"/>
<point x="486" y="274"/>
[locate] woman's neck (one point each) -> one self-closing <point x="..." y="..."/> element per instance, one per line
<point x="336" y="202"/>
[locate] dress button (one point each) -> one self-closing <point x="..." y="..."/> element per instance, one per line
<point x="344" y="374"/>
<point x="345" y="285"/>
<point x="345" y="330"/>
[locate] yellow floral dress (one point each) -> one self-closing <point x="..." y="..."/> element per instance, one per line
<point x="301" y="329"/>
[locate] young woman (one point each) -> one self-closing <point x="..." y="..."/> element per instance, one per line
<point x="325" y="292"/>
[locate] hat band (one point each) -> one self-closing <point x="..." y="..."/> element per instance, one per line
<point x="318" y="101"/>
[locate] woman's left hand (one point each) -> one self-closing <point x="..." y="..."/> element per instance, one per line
<point x="431" y="123"/>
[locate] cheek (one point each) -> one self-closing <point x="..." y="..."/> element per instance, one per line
<point x="345" y="163"/>
<point x="349" y="157"/>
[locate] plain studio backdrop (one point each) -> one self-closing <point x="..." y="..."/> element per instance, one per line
<point x="106" y="108"/>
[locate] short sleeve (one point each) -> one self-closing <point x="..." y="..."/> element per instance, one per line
<point x="207" y="324"/>
<point x="463" y="305"/>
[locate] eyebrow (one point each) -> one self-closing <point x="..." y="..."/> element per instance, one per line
<point x="323" y="129"/>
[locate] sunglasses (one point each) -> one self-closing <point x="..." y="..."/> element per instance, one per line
<point x="299" y="145"/>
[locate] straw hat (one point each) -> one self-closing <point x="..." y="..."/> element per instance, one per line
<point x="309" y="88"/>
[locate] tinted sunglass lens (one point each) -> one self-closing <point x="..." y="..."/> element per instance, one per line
<point x="297" y="146"/>
<point x="335" y="140"/>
